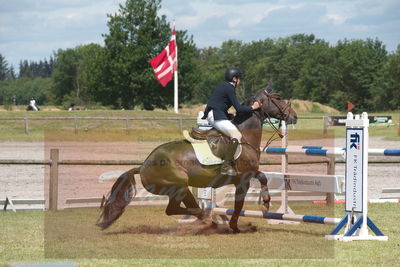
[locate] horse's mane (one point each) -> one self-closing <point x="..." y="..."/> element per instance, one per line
<point x="241" y="117"/>
<point x="249" y="101"/>
<point x="267" y="90"/>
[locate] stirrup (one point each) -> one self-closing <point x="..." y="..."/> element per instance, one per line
<point x="228" y="169"/>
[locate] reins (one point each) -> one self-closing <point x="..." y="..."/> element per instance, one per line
<point x="271" y="99"/>
<point x="265" y="116"/>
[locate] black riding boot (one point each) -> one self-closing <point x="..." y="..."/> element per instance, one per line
<point x="228" y="167"/>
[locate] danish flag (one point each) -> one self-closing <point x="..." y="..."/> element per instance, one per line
<point x="165" y="63"/>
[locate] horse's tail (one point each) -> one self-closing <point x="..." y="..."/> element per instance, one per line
<point x="119" y="197"/>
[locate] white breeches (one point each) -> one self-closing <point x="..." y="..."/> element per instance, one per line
<point x="224" y="126"/>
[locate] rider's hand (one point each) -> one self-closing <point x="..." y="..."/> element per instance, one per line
<point x="256" y="105"/>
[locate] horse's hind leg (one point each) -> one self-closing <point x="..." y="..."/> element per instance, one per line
<point x="175" y="199"/>
<point x="192" y="205"/>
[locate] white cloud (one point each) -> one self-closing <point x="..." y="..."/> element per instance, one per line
<point x="234" y="22"/>
<point x="33" y="29"/>
<point x="337" y="19"/>
<point x="246" y="13"/>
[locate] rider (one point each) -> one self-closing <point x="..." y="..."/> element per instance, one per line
<point x="32" y="103"/>
<point x="216" y="112"/>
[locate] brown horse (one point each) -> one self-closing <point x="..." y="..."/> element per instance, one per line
<point x="172" y="167"/>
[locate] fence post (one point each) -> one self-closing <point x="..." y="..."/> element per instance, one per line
<point x="53" y="187"/>
<point x="330" y="197"/>
<point x="326" y="124"/>
<point x="26" y="125"/>
<point x="126" y="125"/>
<point x="180" y="124"/>
<point x="76" y="124"/>
<point x="284" y="169"/>
<point x="284" y="208"/>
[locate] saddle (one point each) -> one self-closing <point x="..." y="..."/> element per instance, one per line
<point x="218" y="142"/>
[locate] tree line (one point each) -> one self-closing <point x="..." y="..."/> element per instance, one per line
<point x="118" y="74"/>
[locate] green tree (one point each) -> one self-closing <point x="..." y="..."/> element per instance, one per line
<point x="211" y="73"/>
<point x="3" y="68"/>
<point x="289" y="57"/>
<point x="78" y="75"/>
<point x="359" y="64"/>
<point x="65" y="75"/>
<point x="11" y="74"/>
<point x="318" y="75"/>
<point x="91" y="73"/>
<point x="136" y="34"/>
<point x="23" y="89"/>
<point x="392" y="81"/>
<point x="34" y="69"/>
<point x="256" y="61"/>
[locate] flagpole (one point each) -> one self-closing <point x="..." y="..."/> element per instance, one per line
<point x="176" y="105"/>
<point x="176" y="85"/>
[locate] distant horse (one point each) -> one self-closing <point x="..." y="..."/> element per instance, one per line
<point x="172" y="167"/>
<point x="30" y="108"/>
<point x="73" y="107"/>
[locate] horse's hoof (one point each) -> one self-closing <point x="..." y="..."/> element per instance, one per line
<point x="265" y="207"/>
<point x="236" y="230"/>
<point x="206" y="213"/>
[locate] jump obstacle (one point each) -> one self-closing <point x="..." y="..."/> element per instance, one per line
<point x="355" y="222"/>
<point x="278" y="216"/>
<point x="327" y="151"/>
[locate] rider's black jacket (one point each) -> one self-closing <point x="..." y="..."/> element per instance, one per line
<point x="222" y="98"/>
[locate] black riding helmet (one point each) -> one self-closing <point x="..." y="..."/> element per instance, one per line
<point x="233" y="72"/>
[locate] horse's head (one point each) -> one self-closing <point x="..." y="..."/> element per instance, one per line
<point x="272" y="106"/>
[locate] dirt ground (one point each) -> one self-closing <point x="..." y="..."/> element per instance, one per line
<point x="29" y="181"/>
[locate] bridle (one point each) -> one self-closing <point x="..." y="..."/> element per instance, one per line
<point x="272" y="97"/>
<point x="265" y="116"/>
<point x="282" y="116"/>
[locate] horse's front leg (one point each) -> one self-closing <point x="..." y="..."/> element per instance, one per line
<point x="240" y="194"/>
<point x="266" y="198"/>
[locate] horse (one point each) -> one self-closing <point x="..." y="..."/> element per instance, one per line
<point x="172" y="167"/>
<point x="30" y="108"/>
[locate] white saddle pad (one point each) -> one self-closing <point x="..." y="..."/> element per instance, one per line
<point x="204" y="153"/>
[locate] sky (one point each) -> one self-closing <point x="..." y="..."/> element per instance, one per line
<point x="34" y="29"/>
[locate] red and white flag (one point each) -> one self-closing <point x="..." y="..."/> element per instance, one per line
<point x="165" y="63"/>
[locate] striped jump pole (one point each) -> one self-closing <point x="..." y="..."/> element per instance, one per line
<point x="383" y="152"/>
<point x="371" y="151"/>
<point x="305" y="150"/>
<point x="370" y="201"/>
<point x="326" y="151"/>
<point x="278" y="216"/>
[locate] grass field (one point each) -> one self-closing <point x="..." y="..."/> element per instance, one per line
<point x="146" y="236"/>
<point x="148" y="129"/>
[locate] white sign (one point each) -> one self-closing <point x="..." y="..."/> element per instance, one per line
<point x="354" y="169"/>
<point x="306" y="182"/>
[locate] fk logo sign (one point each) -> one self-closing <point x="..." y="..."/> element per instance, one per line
<point x="355" y="141"/>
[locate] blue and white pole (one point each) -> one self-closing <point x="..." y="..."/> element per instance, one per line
<point x="278" y="216"/>
<point x="326" y="151"/>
